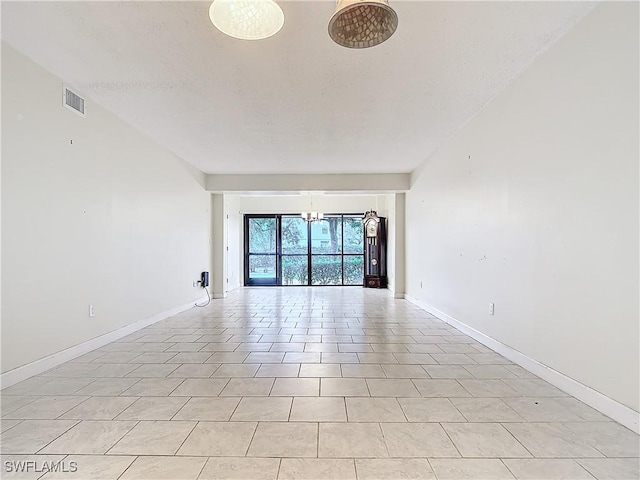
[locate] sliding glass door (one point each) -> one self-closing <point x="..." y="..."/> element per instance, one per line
<point x="286" y="250"/>
<point x="261" y="251"/>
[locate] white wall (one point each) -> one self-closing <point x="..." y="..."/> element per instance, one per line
<point x="390" y="214"/>
<point x="235" y="253"/>
<point x="111" y="220"/>
<point x="534" y="206"/>
<point x="394" y="211"/>
<point x="399" y="230"/>
<point x="227" y="248"/>
<point x="302" y="203"/>
<point x="218" y="246"/>
<point x="268" y="184"/>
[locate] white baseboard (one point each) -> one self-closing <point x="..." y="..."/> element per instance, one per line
<point x="47" y="363"/>
<point x="391" y="287"/>
<point x="218" y="295"/>
<point x="608" y="406"/>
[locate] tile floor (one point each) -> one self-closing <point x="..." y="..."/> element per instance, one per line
<point x="304" y="383"/>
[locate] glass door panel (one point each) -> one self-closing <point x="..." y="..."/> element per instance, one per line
<point x="295" y="251"/>
<point x="353" y="235"/>
<point x="261" y="251"/>
<point x="262" y="266"/>
<point x="295" y="270"/>
<point x="326" y="251"/>
<point x="326" y="270"/>
<point x="262" y="235"/>
<point x="294" y="236"/>
<point x="353" y="269"/>
<point x="326" y="236"/>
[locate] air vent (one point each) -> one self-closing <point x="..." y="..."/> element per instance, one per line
<point x="73" y="101"/>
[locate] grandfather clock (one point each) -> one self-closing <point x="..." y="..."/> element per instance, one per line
<point x="375" y="250"/>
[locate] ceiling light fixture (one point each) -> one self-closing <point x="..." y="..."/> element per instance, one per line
<point x="247" y="19"/>
<point x="312" y="216"/>
<point x="362" y="23"/>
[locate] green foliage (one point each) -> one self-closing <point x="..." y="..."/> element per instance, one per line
<point x="262" y="266"/>
<point x="354" y="270"/>
<point x="262" y="235"/>
<point x="294" y="270"/>
<point x="327" y="270"/>
<point x="294" y="235"/>
<point x="353" y="235"/>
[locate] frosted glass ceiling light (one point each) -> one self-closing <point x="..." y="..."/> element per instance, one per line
<point x="362" y="23"/>
<point x="247" y="19"/>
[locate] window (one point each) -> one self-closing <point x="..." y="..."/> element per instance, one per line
<point x="286" y="250"/>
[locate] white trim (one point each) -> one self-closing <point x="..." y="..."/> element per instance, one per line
<point x="47" y="363"/>
<point x="219" y="295"/>
<point x="608" y="406"/>
<point x="392" y="288"/>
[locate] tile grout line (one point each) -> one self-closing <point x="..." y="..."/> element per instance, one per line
<point x="180" y="409"/>
<point x="137" y="422"/>
<point x="432" y="469"/>
<point x="516" y="439"/>
<point x="58" y="436"/>
<point x="451" y="440"/>
<point x="384" y="440"/>
<point x="507" y="467"/>
<point x="136" y="457"/>
<point x="253" y="435"/>
<point x="185" y="439"/>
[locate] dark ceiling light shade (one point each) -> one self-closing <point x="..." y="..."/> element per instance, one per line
<point x="362" y="23"/>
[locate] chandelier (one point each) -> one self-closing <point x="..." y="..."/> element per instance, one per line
<point x="311" y="216"/>
<point x="247" y="19"/>
<point x="355" y="23"/>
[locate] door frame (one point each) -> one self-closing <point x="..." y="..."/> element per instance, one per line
<point x="277" y="281"/>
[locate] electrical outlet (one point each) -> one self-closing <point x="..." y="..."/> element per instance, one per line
<point x="92" y="312"/>
<point x="492" y="309"/>
<point x="195" y="282"/>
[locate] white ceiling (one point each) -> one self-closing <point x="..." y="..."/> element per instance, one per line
<point x="296" y="102"/>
